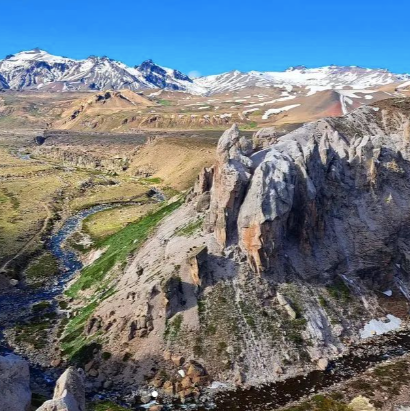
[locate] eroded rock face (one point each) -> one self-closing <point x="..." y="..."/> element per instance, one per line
<point x="69" y="393"/>
<point x="311" y="193"/>
<point x="264" y="137"/>
<point x="14" y="384"/>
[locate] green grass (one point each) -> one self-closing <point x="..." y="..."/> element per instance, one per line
<point x="189" y="229"/>
<point x="36" y="332"/>
<point x="10" y="197"/>
<point x="173" y="327"/>
<point x="165" y="102"/>
<point x="119" y="246"/>
<point x="105" y="406"/>
<point x="41" y="306"/>
<point x="151" y="180"/>
<point x="250" y="125"/>
<point x="74" y="343"/>
<point x="339" y="291"/>
<point x="37" y="400"/>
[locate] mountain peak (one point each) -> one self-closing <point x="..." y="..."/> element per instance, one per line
<point x="36" y="68"/>
<point x="296" y="68"/>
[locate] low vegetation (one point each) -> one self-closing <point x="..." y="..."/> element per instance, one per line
<point x="190" y="228"/>
<point x="118" y="247"/>
<point x="105" y="406"/>
<point x="105" y="223"/>
<point x="74" y="343"/>
<point x="43" y="268"/>
<point x="321" y="403"/>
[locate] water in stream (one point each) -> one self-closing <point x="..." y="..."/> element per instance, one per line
<point x="14" y="304"/>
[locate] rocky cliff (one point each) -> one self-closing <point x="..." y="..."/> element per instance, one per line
<point x="287" y="252"/>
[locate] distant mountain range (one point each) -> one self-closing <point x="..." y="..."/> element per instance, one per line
<point x="38" y="70"/>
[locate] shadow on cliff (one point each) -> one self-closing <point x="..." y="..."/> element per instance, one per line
<point x="357" y="223"/>
<point x="183" y="296"/>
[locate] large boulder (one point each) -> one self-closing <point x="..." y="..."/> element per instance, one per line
<point x="14" y="384"/>
<point x="69" y="393"/>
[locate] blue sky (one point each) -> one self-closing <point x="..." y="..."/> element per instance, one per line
<point x="214" y="36"/>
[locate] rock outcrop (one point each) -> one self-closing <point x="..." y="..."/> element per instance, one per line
<point x="311" y="193"/>
<point x="14" y="384"/>
<point x="231" y="178"/>
<point x="69" y="393"/>
<point x="302" y="236"/>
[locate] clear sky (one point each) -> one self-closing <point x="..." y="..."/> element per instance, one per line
<point x="214" y="36"/>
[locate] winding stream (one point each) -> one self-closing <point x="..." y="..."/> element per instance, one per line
<point x="15" y="303"/>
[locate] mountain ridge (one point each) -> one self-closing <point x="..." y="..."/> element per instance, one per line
<point x="37" y="69"/>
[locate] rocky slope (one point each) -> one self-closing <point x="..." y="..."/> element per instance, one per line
<point x="289" y="250"/>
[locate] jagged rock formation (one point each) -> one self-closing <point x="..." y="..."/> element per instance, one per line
<point x="354" y="167"/>
<point x="14" y="384"/>
<point x="69" y="393"/>
<point x="300" y="241"/>
<point x="231" y="177"/>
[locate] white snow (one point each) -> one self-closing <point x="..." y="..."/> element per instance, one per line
<point x="314" y="89"/>
<point x="343" y="104"/>
<point x="406" y="84"/>
<point x="278" y="110"/>
<point x="389" y="293"/>
<point x="368" y="97"/>
<point x="107" y="73"/>
<point x="157" y="93"/>
<point x="378" y="327"/>
<point x="314" y="79"/>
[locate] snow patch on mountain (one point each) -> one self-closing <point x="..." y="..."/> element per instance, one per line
<point x="278" y="110"/>
<point x="314" y="79"/>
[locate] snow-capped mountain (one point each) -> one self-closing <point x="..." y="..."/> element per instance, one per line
<point x="37" y="69"/>
<point x="322" y="78"/>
